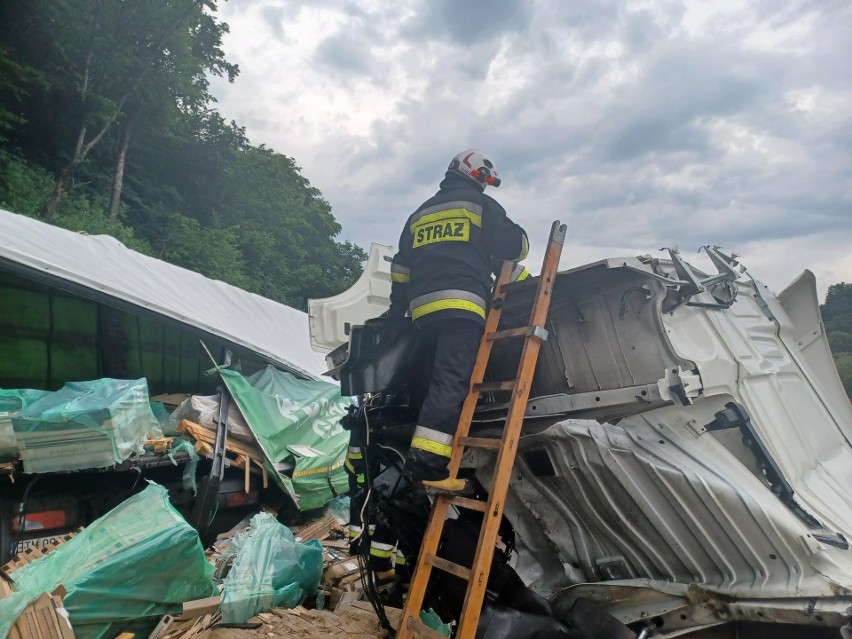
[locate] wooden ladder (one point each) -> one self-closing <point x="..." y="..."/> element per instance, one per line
<point x="410" y="625"/>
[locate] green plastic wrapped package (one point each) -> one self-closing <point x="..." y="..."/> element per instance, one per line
<point x="86" y="425"/>
<point x="297" y="420"/>
<point x="11" y="402"/>
<point x="139" y="561"/>
<point x="184" y="445"/>
<point x="431" y="620"/>
<point x="339" y="509"/>
<point x="164" y="419"/>
<point x="270" y="569"/>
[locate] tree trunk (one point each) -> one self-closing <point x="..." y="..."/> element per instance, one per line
<point x="68" y="171"/>
<point x="118" y="173"/>
<point x="82" y="148"/>
<point x="80" y="153"/>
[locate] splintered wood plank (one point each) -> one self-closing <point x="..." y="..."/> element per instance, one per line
<point x="319" y="529"/>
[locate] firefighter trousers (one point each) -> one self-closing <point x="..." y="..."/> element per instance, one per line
<point x="451" y="345"/>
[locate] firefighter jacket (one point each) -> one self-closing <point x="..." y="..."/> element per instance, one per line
<point x="443" y="266"/>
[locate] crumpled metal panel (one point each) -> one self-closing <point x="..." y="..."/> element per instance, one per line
<point x="656" y="495"/>
<point x="674" y="507"/>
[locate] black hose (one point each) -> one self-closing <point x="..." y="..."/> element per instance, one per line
<point x="22" y="512"/>
<point x="368" y="581"/>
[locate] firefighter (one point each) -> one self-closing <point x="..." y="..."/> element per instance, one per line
<point x="441" y="275"/>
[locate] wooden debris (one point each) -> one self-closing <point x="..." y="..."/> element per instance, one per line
<point x="337" y="544"/>
<point x="45" y="618"/>
<point x="162" y="445"/>
<point x="350" y="621"/>
<point x="339" y="570"/>
<point x="31" y="554"/>
<point x="178" y="628"/>
<point x="243" y="454"/>
<point x="203" y="448"/>
<point x="320" y="529"/>
<point x="170" y="400"/>
<point x="21" y="559"/>
<point x="201" y="607"/>
<point x="348" y="597"/>
<point x="199" y="433"/>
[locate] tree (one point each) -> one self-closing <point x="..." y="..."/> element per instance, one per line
<point x="837" y="316"/>
<point x="288" y="228"/>
<point x="111" y="130"/>
<point x="110" y="57"/>
<point x="844" y="367"/>
<point x="838" y="301"/>
<point x="840" y="342"/>
<point x="15" y="78"/>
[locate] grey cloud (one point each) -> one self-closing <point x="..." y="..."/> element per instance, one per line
<point x="640" y="31"/>
<point x="467" y="22"/>
<point x="585" y="18"/>
<point x="628" y="148"/>
<point x="276" y="16"/>
<point x="644" y="135"/>
<point x="346" y="51"/>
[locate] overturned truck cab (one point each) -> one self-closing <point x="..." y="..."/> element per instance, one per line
<point x="686" y="462"/>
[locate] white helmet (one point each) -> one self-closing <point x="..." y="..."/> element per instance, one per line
<point x="477" y="166"/>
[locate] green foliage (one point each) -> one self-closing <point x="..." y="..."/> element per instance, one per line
<point x="81" y="73"/>
<point x="14" y="77"/>
<point x="210" y="251"/>
<point x="844" y="367"/>
<point x="838" y="301"/>
<point x="79" y="213"/>
<point x="840" y="342"/>
<point x="837" y="317"/>
<point x="24" y="188"/>
<point x="288" y="228"/>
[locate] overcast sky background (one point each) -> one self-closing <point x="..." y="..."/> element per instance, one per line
<point x="639" y="124"/>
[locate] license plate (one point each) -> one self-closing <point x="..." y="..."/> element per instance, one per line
<point x="39" y="542"/>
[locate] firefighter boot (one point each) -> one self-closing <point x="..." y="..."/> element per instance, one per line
<point x="431" y="470"/>
<point x="448" y="486"/>
<point x="423" y="465"/>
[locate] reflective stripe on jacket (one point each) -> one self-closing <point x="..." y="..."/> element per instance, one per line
<point x="443" y="266"/>
<point x="447" y="299"/>
<point x="519" y="273"/>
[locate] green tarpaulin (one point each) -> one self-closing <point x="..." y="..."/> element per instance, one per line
<point x="139" y="561"/>
<point x="11" y="402"/>
<point x="89" y="424"/>
<point x="270" y="569"/>
<point x="299" y="421"/>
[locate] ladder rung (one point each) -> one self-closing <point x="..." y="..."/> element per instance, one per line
<point x="522" y="331"/>
<point x="507" y="334"/>
<point x="481" y="442"/>
<point x="466" y="502"/>
<point x="488" y="387"/>
<point x="449" y="566"/>
<point x="421" y="631"/>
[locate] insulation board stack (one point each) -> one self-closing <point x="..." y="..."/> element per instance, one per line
<point x="85" y="425"/>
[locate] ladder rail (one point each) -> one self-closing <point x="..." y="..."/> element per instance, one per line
<point x="482" y="357"/>
<point x="492" y="508"/>
<point x="440" y="507"/>
<point x="423" y="568"/>
<point x="475" y="594"/>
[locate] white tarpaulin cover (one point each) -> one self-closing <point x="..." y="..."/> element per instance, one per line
<point x="105" y="266"/>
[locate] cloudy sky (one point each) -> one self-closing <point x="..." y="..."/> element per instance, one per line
<point x="640" y="124"/>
